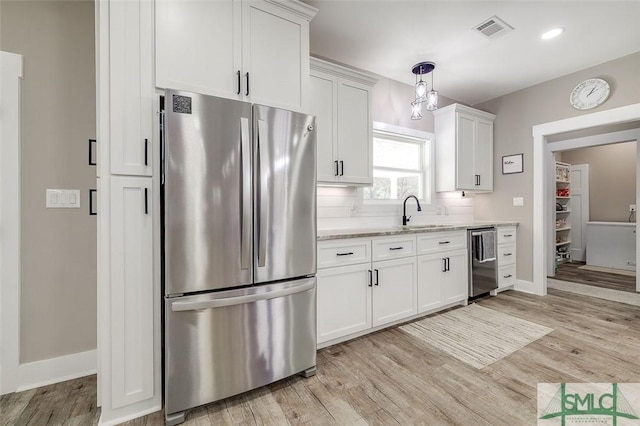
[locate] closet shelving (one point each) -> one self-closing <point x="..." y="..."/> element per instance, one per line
<point x="563" y="212"/>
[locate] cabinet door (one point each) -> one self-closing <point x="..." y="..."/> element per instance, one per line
<point x="198" y="46"/>
<point x="344" y="301"/>
<point x="355" y="135"/>
<point x="131" y="291"/>
<point x="430" y="282"/>
<point x="483" y="154"/>
<point x="323" y="92"/>
<point x="131" y="86"/>
<point x="394" y="290"/>
<point x="465" y="137"/>
<point x="275" y="55"/>
<point x="456" y="279"/>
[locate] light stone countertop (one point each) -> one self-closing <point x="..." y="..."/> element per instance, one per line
<point x="336" y="234"/>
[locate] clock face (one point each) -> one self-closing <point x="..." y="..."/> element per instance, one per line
<point x="589" y="94"/>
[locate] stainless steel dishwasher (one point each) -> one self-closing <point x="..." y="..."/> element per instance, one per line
<point x="483" y="268"/>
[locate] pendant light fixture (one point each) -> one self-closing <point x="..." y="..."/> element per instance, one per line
<point x="422" y="95"/>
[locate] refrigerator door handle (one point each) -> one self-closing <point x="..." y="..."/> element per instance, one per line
<point x="240" y="300"/>
<point x="263" y="188"/>
<point x="245" y="188"/>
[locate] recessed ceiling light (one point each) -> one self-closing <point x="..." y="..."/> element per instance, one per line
<point x="552" y="33"/>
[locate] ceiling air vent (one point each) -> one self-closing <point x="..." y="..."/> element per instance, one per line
<point x="493" y="27"/>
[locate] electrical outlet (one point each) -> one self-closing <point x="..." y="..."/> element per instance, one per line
<point x="632" y="207"/>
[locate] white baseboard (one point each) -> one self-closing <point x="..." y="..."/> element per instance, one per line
<point x="54" y="370"/>
<point x="127" y="417"/>
<point x="527" y="287"/>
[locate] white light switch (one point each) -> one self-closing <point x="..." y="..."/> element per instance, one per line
<point x="63" y="198"/>
<point x="518" y="201"/>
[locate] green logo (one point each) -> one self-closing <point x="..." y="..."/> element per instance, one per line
<point x="588" y="404"/>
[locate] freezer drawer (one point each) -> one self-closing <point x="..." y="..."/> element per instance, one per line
<point x="225" y="343"/>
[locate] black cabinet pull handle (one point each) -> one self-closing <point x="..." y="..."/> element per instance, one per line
<point x="508" y="254"/>
<point x="444" y="264"/>
<point x="146" y="201"/>
<point x="91" y="211"/>
<point x="396" y="248"/>
<point x="247" y="74"/>
<point x="507" y="276"/>
<point x="341" y="168"/>
<point x="444" y="242"/>
<point x="146" y="152"/>
<point x="448" y="264"/>
<point x="91" y="161"/>
<point x="344" y="254"/>
<point x="370" y="278"/>
<point x="376" y="283"/>
<point x="336" y="167"/>
<point x="238" y="82"/>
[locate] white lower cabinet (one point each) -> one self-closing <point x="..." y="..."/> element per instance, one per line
<point x="442" y="279"/>
<point x="344" y="301"/>
<point x="358" y="292"/>
<point x="394" y="290"/>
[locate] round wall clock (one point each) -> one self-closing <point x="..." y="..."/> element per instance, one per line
<point x="589" y="94"/>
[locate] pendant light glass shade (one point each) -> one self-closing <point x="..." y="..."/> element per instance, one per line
<point x="432" y="100"/>
<point x="421" y="90"/>
<point x="416" y="110"/>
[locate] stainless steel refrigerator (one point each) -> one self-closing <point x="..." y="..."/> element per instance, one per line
<point x="239" y="248"/>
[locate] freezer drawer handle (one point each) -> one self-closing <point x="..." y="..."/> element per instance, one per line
<point x="344" y="254"/>
<point x="396" y="248"/>
<point x="240" y="300"/>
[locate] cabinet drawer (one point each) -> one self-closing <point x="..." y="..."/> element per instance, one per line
<point x="506" y="275"/>
<point x="435" y="242"/>
<point x="506" y="234"/>
<point x="394" y="247"/>
<point x="343" y="252"/>
<point x="506" y="254"/>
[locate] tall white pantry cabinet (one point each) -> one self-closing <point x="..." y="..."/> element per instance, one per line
<point x="128" y="42"/>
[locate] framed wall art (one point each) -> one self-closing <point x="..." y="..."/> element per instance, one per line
<point x="512" y="164"/>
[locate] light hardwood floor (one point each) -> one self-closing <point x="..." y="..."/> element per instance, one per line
<point x="570" y="271"/>
<point x="390" y="378"/>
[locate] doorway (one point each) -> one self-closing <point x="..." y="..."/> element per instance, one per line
<point x="599" y="248"/>
<point x="542" y="162"/>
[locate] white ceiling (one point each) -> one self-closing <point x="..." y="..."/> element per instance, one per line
<point x="388" y="37"/>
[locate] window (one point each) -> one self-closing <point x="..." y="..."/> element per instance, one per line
<point x="401" y="164"/>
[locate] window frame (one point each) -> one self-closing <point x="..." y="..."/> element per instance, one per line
<point x="426" y="140"/>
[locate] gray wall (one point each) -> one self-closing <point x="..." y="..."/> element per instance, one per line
<point x="612" y="179"/>
<point x="58" y="288"/>
<point x="516" y="113"/>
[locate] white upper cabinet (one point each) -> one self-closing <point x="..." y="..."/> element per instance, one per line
<point x="251" y="50"/>
<point x="464" y="149"/>
<point x="341" y="99"/>
<point x="130" y="41"/>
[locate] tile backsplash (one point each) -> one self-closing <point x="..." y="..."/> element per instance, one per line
<point x="343" y="207"/>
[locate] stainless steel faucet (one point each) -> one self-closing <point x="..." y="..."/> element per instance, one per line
<point x="406" y="219"/>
